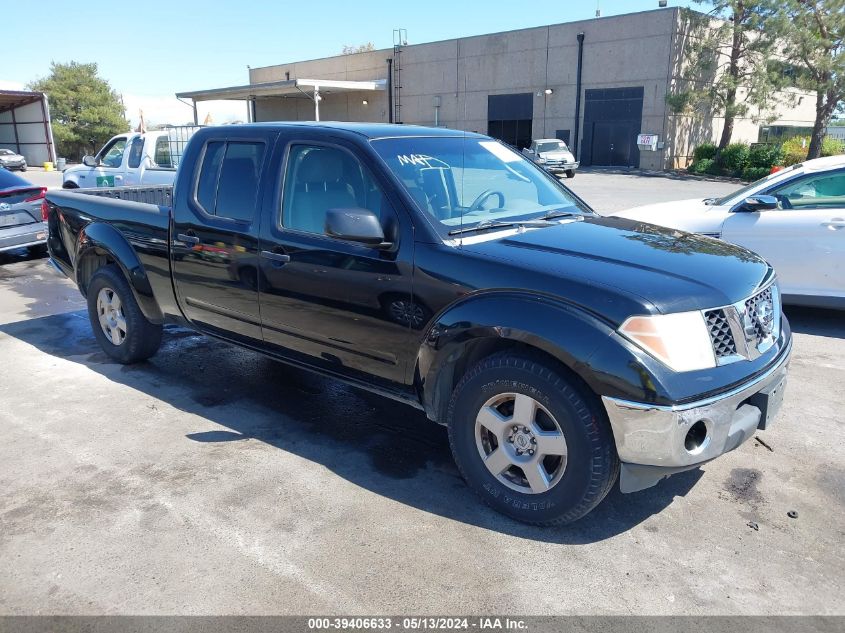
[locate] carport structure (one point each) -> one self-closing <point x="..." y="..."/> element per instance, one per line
<point x="308" y="88"/>
<point x="25" y="125"/>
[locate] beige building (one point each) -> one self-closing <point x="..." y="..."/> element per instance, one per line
<point x="597" y="84"/>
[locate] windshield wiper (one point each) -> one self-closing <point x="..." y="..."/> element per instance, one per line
<point x="498" y="224"/>
<point x="554" y="215"/>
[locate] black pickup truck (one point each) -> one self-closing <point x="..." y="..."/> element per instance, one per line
<point x="446" y="271"/>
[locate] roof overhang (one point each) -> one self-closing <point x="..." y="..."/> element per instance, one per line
<point x="283" y="88"/>
<point x="10" y="99"/>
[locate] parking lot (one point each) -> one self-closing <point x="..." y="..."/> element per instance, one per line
<point x="211" y="480"/>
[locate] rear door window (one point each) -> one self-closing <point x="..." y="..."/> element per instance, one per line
<point x="227" y="186"/>
<point x="161" y="153"/>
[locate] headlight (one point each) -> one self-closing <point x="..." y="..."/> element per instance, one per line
<point x="680" y="341"/>
<point x="540" y="159"/>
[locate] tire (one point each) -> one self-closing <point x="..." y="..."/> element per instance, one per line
<point x="572" y="484"/>
<point x="570" y="173"/>
<point x="39" y="250"/>
<point x="70" y="185"/>
<point x="136" y="339"/>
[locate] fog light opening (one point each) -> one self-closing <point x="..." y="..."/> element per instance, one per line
<point x="696" y="437"/>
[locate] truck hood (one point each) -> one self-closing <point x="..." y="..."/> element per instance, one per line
<point x="693" y="215"/>
<point x="557" y="155"/>
<point x="664" y="270"/>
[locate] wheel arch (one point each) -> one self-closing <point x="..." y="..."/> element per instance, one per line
<point x="101" y="244"/>
<point x="561" y="336"/>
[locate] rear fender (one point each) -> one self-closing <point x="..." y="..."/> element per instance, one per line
<point x="487" y="322"/>
<point x="99" y="242"/>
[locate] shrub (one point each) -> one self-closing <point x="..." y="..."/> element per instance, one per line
<point x="832" y="147"/>
<point x="755" y="173"/>
<point x="795" y="150"/>
<point x="703" y="151"/>
<point x="734" y="158"/>
<point x="702" y="166"/>
<point x="764" y="157"/>
<point x="715" y="169"/>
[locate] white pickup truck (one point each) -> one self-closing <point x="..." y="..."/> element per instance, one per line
<point x="132" y="159"/>
<point x="553" y="155"/>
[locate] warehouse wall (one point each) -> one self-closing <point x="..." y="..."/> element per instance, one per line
<point x="620" y="51"/>
<point x="628" y="51"/>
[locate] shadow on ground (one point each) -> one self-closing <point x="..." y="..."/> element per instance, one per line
<point x="816" y="321"/>
<point x="21" y="255"/>
<point x="386" y="447"/>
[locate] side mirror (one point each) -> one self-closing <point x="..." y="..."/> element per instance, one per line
<point x="89" y="161"/>
<point x="758" y="203"/>
<point x="355" y="225"/>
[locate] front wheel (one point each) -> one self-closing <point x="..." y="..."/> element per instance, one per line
<point x="570" y="173"/>
<point x="119" y="326"/>
<point x="532" y="443"/>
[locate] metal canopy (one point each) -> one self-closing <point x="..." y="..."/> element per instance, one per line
<point x="25" y="125"/>
<point x="284" y="88"/>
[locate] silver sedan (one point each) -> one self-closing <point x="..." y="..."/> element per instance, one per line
<point x="10" y="160"/>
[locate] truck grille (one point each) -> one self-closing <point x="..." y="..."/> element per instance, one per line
<point x="720" y="333"/>
<point x="745" y="329"/>
<point x="759" y="329"/>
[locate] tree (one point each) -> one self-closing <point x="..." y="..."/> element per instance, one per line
<point x="727" y="69"/>
<point x="83" y="107"/>
<point x="813" y="36"/>
<point x="362" y="48"/>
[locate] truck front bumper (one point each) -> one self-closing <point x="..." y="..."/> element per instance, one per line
<point x="560" y="167"/>
<point x="655" y="441"/>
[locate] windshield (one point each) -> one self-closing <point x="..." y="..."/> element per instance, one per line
<point x="552" y="146"/>
<point x="739" y="193"/>
<point x="5" y="152"/>
<point x="461" y="182"/>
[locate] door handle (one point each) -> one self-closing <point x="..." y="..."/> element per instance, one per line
<point x="276" y="257"/>
<point x="188" y="239"/>
<point x="835" y="224"/>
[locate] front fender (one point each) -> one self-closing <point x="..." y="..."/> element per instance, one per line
<point x="97" y="240"/>
<point x="563" y="331"/>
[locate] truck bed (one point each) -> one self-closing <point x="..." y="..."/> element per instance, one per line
<point x="134" y="228"/>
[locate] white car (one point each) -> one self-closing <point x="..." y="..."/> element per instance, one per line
<point x="132" y="159"/>
<point x="795" y="218"/>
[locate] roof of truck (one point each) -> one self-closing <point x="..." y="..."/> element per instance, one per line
<point x="369" y="130"/>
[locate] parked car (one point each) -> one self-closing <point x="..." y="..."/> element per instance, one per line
<point x="132" y="159"/>
<point x="10" y="160"/>
<point x="553" y="155"/>
<point x="558" y="346"/>
<point x="795" y="218"/>
<point x="23" y="213"/>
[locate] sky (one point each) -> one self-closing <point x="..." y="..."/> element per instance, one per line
<point x="150" y="50"/>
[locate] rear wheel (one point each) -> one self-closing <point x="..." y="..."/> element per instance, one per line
<point x="119" y="326"/>
<point x="534" y="444"/>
